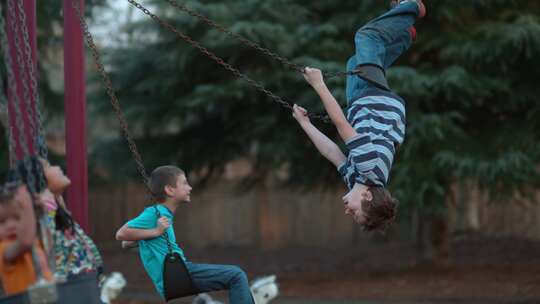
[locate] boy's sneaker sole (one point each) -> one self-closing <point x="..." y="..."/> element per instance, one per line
<point x="421" y="9"/>
<point x="412" y="31"/>
<point x="421" y="6"/>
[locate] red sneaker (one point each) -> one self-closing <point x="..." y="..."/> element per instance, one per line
<point x="412" y="31"/>
<point x="421" y="9"/>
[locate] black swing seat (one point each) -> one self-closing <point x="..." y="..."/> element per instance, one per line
<point x="372" y="74"/>
<point x="177" y="281"/>
<point x="82" y="289"/>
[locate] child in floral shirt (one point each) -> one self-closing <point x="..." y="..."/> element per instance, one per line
<point x="74" y="252"/>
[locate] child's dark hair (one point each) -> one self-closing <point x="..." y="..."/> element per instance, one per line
<point x="161" y="177"/>
<point x="62" y="219"/>
<point x="381" y="211"/>
<point x="26" y="167"/>
<point x="7" y="191"/>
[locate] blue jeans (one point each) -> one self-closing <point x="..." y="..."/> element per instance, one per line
<point x="380" y="42"/>
<point x="211" y="277"/>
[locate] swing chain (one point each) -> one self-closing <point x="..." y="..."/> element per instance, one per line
<point x="22" y="72"/>
<point x="4" y="120"/>
<point x="37" y="114"/>
<point x="165" y="234"/>
<point x="291" y="65"/>
<point x="20" y="127"/>
<point x="15" y="102"/>
<point x="110" y="91"/>
<point x="4" y="102"/>
<point x="221" y="62"/>
<point x="12" y="85"/>
<point x="4" y="112"/>
<point x="26" y="160"/>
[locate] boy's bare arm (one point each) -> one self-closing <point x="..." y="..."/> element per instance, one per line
<point x="315" y="79"/>
<point x="131" y="234"/>
<point x="26" y="231"/>
<point x="324" y="144"/>
<point x="129" y="244"/>
<point x="126" y="233"/>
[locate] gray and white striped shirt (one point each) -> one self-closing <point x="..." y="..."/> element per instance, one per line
<point x="379" y="119"/>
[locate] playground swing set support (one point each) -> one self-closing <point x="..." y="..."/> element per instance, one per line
<point x="74" y="101"/>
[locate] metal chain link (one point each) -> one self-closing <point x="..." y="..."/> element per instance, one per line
<point x="36" y="113"/>
<point x="4" y="106"/>
<point x="112" y="95"/>
<point x="221" y="62"/>
<point x="20" y="127"/>
<point x="12" y="87"/>
<point x="8" y="130"/>
<point x="15" y="103"/>
<point x="166" y="234"/>
<point x="21" y="65"/>
<point x="12" y="154"/>
<point x="291" y="65"/>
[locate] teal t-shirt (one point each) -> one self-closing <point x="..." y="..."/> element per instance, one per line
<point x="153" y="251"/>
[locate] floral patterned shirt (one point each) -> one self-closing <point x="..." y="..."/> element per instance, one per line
<point x="74" y="250"/>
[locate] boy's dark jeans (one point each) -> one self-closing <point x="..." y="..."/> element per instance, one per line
<point x="380" y="42"/>
<point x="210" y="277"/>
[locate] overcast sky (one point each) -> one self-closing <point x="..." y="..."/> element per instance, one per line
<point x="108" y="21"/>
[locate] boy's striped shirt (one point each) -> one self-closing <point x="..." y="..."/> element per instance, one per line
<point x="379" y="119"/>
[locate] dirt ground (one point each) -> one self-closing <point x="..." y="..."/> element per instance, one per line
<point x="483" y="270"/>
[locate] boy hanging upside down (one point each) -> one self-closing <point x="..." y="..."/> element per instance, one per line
<point x="374" y="126"/>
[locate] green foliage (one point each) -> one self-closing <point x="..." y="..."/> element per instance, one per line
<point x="470" y="83"/>
<point x="212" y="116"/>
<point x="478" y="65"/>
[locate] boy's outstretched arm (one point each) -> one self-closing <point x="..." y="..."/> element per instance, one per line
<point x="324" y="144"/>
<point x="26" y="230"/>
<point x="125" y="233"/>
<point x="129" y="244"/>
<point x="315" y="79"/>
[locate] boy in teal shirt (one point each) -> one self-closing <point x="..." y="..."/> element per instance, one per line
<point x="171" y="188"/>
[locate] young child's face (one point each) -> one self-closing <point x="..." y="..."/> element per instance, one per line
<point x="353" y="201"/>
<point x="181" y="192"/>
<point x="9" y="214"/>
<point x="9" y="220"/>
<point x="57" y="181"/>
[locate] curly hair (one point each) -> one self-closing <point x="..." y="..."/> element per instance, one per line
<point x="380" y="211"/>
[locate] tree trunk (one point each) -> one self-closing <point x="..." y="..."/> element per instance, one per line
<point x="472" y="209"/>
<point x="422" y="232"/>
<point x="268" y="229"/>
<point x="432" y="238"/>
<point x="440" y="240"/>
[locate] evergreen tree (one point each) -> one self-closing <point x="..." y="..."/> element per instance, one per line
<point x="470" y="83"/>
<point x="471" y="104"/>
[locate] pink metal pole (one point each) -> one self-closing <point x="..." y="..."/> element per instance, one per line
<point x="30" y="12"/>
<point x="75" y="114"/>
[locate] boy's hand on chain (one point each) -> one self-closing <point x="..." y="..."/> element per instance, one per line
<point x="314" y="77"/>
<point x="300" y="114"/>
<point x="162" y="224"/>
